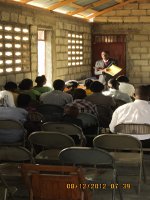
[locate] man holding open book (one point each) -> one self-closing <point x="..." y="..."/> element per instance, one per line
<point x="102" y="67"/>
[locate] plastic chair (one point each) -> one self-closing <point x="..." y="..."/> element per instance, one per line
<point x="54" y="182"/>
<point x="69" y="129"/>
<point x="12" y="132"/>
<point x="10" y="175"/>
<point x="90" y="126"/>
<point x="47" y="145"/>
<point x="50" y="112"/>
<point x="125" y="149"/>
<point x="99" y="166"/>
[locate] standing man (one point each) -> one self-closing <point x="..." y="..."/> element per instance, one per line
<point x="101" y="65"/>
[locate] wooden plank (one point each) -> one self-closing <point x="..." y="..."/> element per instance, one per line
<point x="60" y="4"/>
<point x="91" y="5"/>
<point x="112" y="8"/>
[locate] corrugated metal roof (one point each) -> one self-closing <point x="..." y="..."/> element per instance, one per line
<point x="80" y="8"/>
<point x="85" y="2"/>
<point x="42" y="3"/>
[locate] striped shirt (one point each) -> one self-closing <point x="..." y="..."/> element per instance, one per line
<point x="56" y="97"/>
<point x="85" y="106"/>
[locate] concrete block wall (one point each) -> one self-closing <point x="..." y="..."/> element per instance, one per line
<point x="60" y="25"/>
<point x="63" y="70"/>
<point x="133" y="21"/>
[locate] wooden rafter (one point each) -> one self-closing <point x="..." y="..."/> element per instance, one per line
<point x="111" y="8"/>
<point x="60" y="4"/>
<point x="91" y="5"/>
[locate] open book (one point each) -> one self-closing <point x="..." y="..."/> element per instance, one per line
<point x="113" y="70"/>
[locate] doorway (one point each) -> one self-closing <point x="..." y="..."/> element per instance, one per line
<point x="45" y="55"/>
<point x="114" y="44"/>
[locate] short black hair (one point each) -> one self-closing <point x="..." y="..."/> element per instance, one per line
<point x="59" y="84"/>
<point x="114" y="83"/>
<point x="123" y="79"/>
<point x="40" y="79"/>
<point x="88" y="83"/>
<point x="79" y="93"/>
<point x="96" y="86"/>
<point x="142" y="92"/>
<point x="26" y="84"/>
<point x="10" y="86"/>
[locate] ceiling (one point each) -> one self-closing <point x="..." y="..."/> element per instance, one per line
<point x="86" y="9"/>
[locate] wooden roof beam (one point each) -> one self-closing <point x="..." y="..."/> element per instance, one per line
<point x="91" y="5"/>
<point x="112" y="8"/>
<point x="60" y="4"/>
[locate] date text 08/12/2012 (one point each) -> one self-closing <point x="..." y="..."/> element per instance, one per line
<point x="102" y="186"/>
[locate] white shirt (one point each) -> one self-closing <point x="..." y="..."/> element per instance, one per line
<point x="137" y="112"/>
<point x="56" y="97"/>
<point x="116" y="94"/>
<point x="6" y="99"/>
<point x="127" y="88"/>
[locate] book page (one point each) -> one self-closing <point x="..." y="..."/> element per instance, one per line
<point x="113" y="70"/>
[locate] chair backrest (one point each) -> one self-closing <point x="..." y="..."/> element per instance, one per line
<point x="54" y="182"/>
<point x="130" y="128"/>
<point x="86" y="156"/>
<point x="119" y="102"/>
<point x="105" y="115"/>
<point x="11" y="132"/>
<point x="116" y="142"/>
<point x="51" y="112"/>
<point x="15" y="154"/>
<point x="88" y="119"/>
<point x="36" y="117"/>
<point x="69" y="129"/>
<point x="51" y="139"/>
<point x="90" y="123"/>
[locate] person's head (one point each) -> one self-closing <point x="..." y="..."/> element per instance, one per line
<point x="142" y="93"/>
<point x="88" y="83"/>
<point x="26" y="84"/>
<point x="79" y="94"/>
<point x="71" y="111"/>
<point x="123" y="79"/>
<point x="105" y="55"/>
<point x="113" y="83"/>
<point x="73" y="84"/>
<point x="59" y="84"/>
<point x="96" y="87"/>
<point x="23" y="100"/>
<point x="40" y="81"/>
<point x="10" y="86"/>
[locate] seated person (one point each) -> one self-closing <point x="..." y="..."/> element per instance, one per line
<point x="114" y="91"/>
<point x="82" y="104"/>
<point x="26" y="87"/>
<point x="57" y="96"/>
<point x="72" y="85"/>
<point x="41" y="81"/>
<point x="125" y="86"/>
<point x="70" y="115"/>
<point x="137" y="112"/>
<point x="97" y="97"/>
<point x="24" y="101"/>
<point x="8" y="96"/>
<point x="16" y="114"/>
<point x="87" y="84"/>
